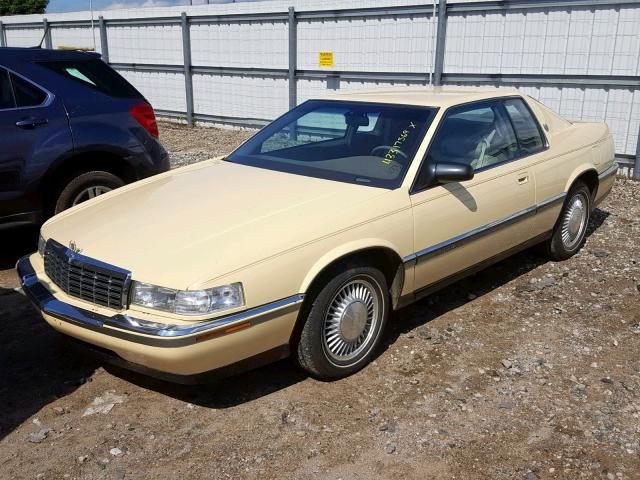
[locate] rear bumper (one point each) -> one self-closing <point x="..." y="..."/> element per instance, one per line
<point x="174" y="350"/>
<point x="150" y="163"/>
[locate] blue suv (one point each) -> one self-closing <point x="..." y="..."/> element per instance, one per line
<point x="71" y="128"/>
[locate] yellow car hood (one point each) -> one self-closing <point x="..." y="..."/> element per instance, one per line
<point x="202" y="221"/>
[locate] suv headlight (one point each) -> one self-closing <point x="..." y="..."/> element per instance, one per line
<point x="42" y="243"/>
<point x="187" y="302"/>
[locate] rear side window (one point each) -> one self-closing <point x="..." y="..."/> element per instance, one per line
<point x="6" y="95"/>
<point x="527" y="130"/>
<point x="96" y="74"/>
<point x="26" y="94"/>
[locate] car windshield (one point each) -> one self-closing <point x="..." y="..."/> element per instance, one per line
<point x="355" y="142"/>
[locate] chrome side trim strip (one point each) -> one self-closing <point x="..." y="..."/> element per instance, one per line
<point x="141" y="331"/>
<point x="612" y="170"/>
<point x="550" y="202"/>
<point x="255" y="315"/>
<point x="464" y="238"/>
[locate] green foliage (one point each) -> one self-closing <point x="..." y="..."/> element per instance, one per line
<point x="22" y="7"/>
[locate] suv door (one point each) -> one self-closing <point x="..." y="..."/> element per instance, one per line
<point x="460" y="225"/>
<point x="34" y="131"/>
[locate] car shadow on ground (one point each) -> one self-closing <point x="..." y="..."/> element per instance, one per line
<point x="474" y="286"/>
<point x="224" y="393"/>
<point x="37" y="368"/>
<point x="16" y="242"/>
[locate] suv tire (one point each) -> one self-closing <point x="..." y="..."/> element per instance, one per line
<point x="85" y="186"/>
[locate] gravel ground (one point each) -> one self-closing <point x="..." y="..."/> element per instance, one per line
<point x="194" y="145"/>
<point x="528" y="370"/>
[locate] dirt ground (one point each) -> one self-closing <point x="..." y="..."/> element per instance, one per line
<point x="528" y="370"/>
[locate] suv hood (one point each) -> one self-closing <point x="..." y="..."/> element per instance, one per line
<point x="194" y="224"/>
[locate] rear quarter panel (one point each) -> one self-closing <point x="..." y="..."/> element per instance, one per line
<point x="574" y="148"/>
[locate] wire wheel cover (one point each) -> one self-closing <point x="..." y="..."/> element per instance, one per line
<point x="351" y="320"/>
<point x="574" y="221"/>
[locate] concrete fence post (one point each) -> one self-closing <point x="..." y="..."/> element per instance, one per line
<point x="47" y="34"/>
<point x="293" y="58"/>
<point x="104" y="43"/>
<point x="636" y="163"/>
<point x="188" y="77"/>
<point x="3" y="39"/>
<point x="440" y="41"/>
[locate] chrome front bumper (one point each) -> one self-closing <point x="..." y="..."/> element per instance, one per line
<point x="145" y="332"/>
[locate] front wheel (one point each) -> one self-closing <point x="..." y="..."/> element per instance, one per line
<point x="345" y="324"/>
<point x="571" y="228"/>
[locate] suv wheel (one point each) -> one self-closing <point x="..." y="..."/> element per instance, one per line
<point x="84" y="187"/>
<point x="345" y="324"/>
<point x="571" y="228"/>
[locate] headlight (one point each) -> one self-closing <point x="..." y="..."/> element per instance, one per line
<point x="42" y="243"/>
<point x="187" y="302"/>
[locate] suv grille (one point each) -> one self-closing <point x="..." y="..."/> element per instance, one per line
<point x="86" y="278"/>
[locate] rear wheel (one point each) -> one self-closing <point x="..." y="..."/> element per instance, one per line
<point x="345" y="324"/>
<point x="571" y="228"/>
<point x="85" y="186"/>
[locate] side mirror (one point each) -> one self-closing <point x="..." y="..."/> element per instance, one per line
<point x="453" y="172"/>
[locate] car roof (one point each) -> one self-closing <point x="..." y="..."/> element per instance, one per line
<point x="15" y="54"/>
<point x="424" y="96"/>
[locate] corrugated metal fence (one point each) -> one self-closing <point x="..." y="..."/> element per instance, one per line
<point x="245" y="64"/>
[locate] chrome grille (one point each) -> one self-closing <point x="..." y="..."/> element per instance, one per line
<point x="86" y="278"/>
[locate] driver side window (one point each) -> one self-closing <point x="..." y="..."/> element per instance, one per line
<point x="479" y="135"/>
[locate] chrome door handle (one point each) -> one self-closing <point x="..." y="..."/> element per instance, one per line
<point x="31" y="122"/>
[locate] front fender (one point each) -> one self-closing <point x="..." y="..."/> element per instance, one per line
<point x="342" y="251"/>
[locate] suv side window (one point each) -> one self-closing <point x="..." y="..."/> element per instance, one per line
<point x="527" y="130"/>
<point x="479" y="134"/>
<point x="6" y="94"/>
<point x="26" y="94"/>
<point x="95" y="74"/>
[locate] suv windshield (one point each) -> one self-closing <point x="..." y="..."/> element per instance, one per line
<point x="356" y="142"/>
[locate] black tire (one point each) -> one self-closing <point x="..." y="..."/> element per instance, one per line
<point x="73" y="190"/>
<point x="562" y="245"/>
<point x="323" y="334"/>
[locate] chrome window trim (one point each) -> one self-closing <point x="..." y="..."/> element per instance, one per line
<point x="47" y="101"/>
<point x="459" y="240"/>
<point x="144" y="332"/>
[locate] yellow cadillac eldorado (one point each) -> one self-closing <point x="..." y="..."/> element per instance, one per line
<point x="304" y="239"/>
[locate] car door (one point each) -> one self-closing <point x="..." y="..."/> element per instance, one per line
<point x="459" y="225"/>
<point x="33" y="130"/>
<point x="550" y="175"/>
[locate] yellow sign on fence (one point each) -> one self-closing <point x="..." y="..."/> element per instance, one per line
<point x="326" y="59"/>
